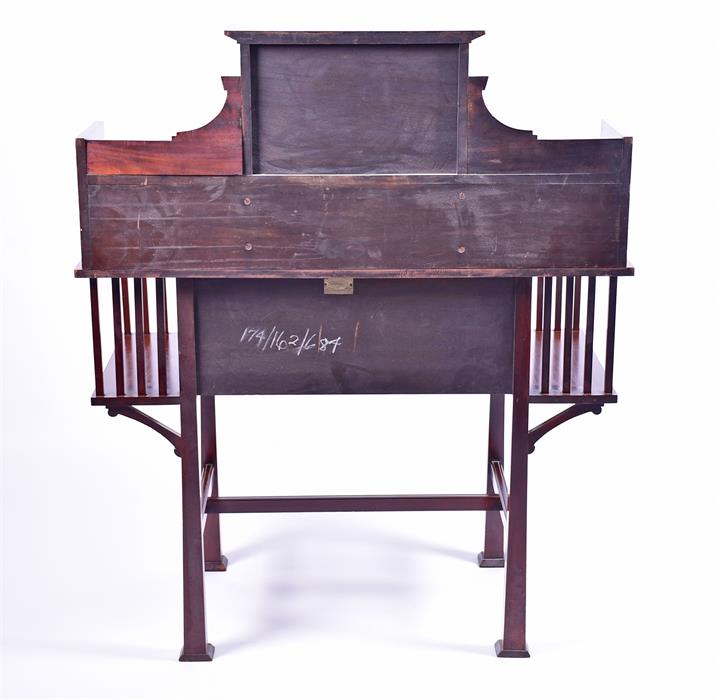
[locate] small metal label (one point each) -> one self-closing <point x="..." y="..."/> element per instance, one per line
<point x="338" y="285"/>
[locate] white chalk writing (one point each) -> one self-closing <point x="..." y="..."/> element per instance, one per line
<point x="278" y="340"/>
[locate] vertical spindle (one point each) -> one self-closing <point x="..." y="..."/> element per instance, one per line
<point x="590" y="313"/>
<point x="577" y="304"/>
<point x="96" y="338"/>
<point x="139" y="336"/>
<point x="166" y="306"/>
<point x="546" y="339"/>
<point x="161" y="331"/>
<point x="539" y="303"/>
<point x="118" y="337"/>
<point x="568" y="336"/>
<point x="145" y="306"/>
<point x="610" y="334"/>
<point x="557" y="305"/>
<point x="126" y="315"/>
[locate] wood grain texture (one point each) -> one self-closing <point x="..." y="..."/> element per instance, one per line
<point x="494" y="147"/>
<point x="355" y="109"/>
<point x="169" y="226"/>
<point x="389" y="336"/>
<point x="214" y="149"/>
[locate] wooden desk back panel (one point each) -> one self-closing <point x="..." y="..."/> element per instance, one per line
<point x="390" y="336"/>
<point x="175" y="225"/>
<point x="354" y="109"/>
<point x="365" y="104"/>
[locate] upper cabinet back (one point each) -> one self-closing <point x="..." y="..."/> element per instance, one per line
<point x="362" y="108"/>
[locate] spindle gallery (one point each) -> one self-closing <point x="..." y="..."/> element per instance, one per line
<point x="354" y="220"/>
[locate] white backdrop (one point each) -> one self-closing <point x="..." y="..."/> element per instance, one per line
<point x="359" y="606"/>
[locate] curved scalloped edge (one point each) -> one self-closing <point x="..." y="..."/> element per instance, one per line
<point x="230" y="112"/>
<point x="495" y="148"/>
<point x="482" y="118"/>
<point x="213" y="149"/>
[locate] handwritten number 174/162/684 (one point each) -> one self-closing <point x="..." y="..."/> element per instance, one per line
<point x="280" y="340"/>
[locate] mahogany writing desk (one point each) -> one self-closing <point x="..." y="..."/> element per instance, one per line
<point x="354" y="221"/>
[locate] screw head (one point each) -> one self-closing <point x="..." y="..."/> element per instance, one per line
<point x="461" y="195"/>
<point x="248" y="246"/>
<point x="246" y="200"/>
<point x="461" y="250"/>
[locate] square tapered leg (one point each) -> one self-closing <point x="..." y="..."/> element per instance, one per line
<point x="195" y="645"/>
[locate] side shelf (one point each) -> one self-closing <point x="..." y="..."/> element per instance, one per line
<point x="143" y="368"/>
<point x="555" y="392"/>
<point x="153" y="395"/>
<point x="564" y="365"/>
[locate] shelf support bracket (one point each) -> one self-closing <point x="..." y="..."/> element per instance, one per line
<point x="555" y="421"/>
<point x="135" y="414"/>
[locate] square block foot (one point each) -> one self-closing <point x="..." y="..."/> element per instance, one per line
<point x="219" y="565"/>
<point x="503" y="653"/>
<point x="208" y="655"/>
<point x="490" y="562"/>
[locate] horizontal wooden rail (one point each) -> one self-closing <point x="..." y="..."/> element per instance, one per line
<point x="342" y="504"/>
<point x="199" y="271"/>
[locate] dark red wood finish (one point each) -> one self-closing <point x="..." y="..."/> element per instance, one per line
<point x="387" y="167"/>
<point x="513" y="643"/>
<point x="195" y="645"/>
<point x="214" y="149"/>
<point x="169" y="226"/>
<point x="493" y="553"/>
<point x="96" y="338"/>
<point x="214" y="560"/>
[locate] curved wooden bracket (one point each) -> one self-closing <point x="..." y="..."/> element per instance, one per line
<point x="555" y="421"/>
<point x="135" y="414"/>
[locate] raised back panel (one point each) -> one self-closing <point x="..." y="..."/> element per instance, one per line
<point x="388" y="337"/>
<point x="354" y="109"/>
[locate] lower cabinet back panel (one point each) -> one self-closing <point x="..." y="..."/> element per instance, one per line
<point x="397" y="336"/>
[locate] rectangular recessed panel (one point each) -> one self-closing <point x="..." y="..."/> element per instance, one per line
<point x="389" y="336"/>
<point x="355" y="109"/>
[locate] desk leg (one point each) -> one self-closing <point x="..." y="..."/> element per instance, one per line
<point x="493" y="554"/>
<point x="195" y="646"/>
<point x="213" y="559"/>
<point x="513" y="643"/>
